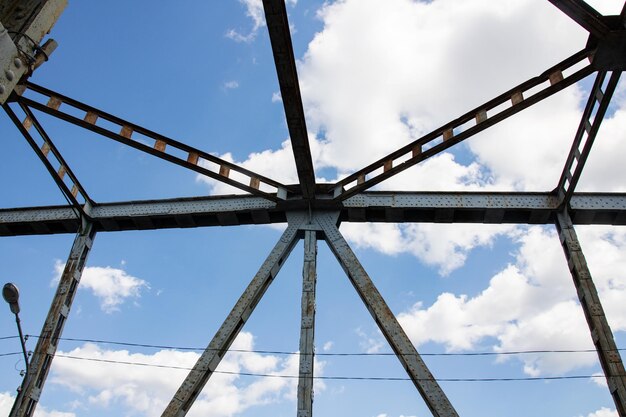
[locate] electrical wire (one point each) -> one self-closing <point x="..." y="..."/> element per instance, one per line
<point x="331" y="377"/>
<point x="278" y="352"/>
<point x="354" y="378"/>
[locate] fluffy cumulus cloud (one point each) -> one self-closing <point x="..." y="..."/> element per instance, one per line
<point x="111" y="286"/>
<point x="530" y="304"/>
<point x="443" y="246"/>
<point x="145" y="390"/>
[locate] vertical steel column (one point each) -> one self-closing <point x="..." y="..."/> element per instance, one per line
<point x="307" y="329"/>
<point x="431" y="392"/>
<point x="601" y="334"/>
<point x="217" y="348"/>
<point x="53" y="326"/>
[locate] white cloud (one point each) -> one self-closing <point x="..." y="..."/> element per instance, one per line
<point x="445" y="246"/>
<point x="276" y="97"/>
<point x="231" y="85"/>
<point x="446" y="58"/>
<point x="327" y="346"/>
<point x="111" y="285"/>
<point x="530" y="304"/>
<point x="146" y="390"/>
<point x="372" y="343"/>
<point x="599" y="379"/>
<point x="254" y="10"/>
<point x="6" y="402"/>
<point x="603" y="412"/>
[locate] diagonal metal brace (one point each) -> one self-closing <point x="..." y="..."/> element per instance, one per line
<point x="585" y="135"/>
<point x="583" y="14"/>
<point x="431" y="392"/>
<point x="44" y="152"/>
<point x="488" y="114"/>
<point x="284" y="59"/>
<point x="601" y="333"/>
<point x="162" y="146"/>
<point x="218" y="347"/>
<point x="55" y="322"/>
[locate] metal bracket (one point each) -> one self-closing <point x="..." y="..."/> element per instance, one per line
<point x="11" y="66"/>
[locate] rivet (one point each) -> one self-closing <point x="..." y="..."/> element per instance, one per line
<point x="10" y="75"/>
<point x="2" y="89"/>
<point x="18" y="63"/>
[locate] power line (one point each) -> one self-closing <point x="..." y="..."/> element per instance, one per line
<point x="10" y="354"/>
<point x="278" y="352"/>
<point x="351" y="378"/>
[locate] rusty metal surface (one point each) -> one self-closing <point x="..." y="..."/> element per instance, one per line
<point x="23" y="25"/>
<point x="422" y="378"/>
<point x="307" y="326"/>
<point x="601" y="333"/>
<point x="55" y="322"/>
<point x="228" y="331"/>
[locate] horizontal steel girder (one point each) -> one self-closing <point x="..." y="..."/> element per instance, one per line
<point x="384" y="207"/>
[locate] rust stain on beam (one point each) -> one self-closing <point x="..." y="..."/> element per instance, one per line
<point x="126" y="132"/>
<point x="91" y="118"/>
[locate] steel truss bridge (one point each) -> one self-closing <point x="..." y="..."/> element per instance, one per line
<point x="312" y="211"/>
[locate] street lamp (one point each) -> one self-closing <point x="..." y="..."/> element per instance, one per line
<point x="11" y="295"/>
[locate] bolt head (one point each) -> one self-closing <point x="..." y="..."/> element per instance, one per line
<point x="18" y="63"/>
<point x="10" y="75"/>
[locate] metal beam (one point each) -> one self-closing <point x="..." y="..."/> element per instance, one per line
<point x="55" y="321"/>
<point x="585" y="135"/>
<point x="307" y="326"/>
<point x="44" y="151"/>
<point x="415" y="367"/>
<point x="505" y="105"/>
<point x="162" y="147"/>
<point x="601" y="333"/>
<point x="583" y="14"/>
<point x="218" y="347"/>
<point x="278" y="27"/>
<point x="376" y="207"/>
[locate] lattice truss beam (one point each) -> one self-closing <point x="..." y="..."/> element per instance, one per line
<point x="312" y="211"/>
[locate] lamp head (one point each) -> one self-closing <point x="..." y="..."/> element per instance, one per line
<point x="11" y="295"/>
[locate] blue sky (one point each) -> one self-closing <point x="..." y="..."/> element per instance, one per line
<point x="372" y="78"/>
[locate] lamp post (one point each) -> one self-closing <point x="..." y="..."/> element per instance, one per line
<point x="11" y="295"/>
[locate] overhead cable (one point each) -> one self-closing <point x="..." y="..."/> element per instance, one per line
<point x="335" y="377"/>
